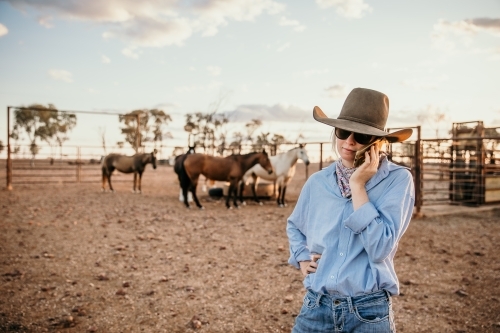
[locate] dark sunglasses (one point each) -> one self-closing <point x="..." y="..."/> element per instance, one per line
<point x="360" y="138"/>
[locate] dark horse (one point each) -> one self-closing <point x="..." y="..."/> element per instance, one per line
<point x="126" y="164"/>
<point x="179" y="161"/>
<point x="230" y="168"/>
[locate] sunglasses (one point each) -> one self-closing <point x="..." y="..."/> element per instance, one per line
<point x="360" y="138"/>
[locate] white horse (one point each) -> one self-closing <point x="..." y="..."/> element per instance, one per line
<point x="283" y="171"/>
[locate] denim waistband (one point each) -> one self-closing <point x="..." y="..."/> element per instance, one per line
<point x="349" y="301"/>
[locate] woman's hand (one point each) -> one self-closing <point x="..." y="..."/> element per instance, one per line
<point x="362" y="175"/>
<point x="310" y="266"/>
<point x="366" y="170"/>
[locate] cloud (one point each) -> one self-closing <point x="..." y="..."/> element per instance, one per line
<point x="154" y="23"/>
<point x="278" y="112"/>
<point x="130" y="53"/>
<point x="293" y="23"/>
<point x="446" y="35"/>
<point x="214" y="70"/>
<point x="105" y="60"/>
<point x="45" y="21"/>
<point x="337" y="90"/>
<point x="61" y="75"/>
<point x="347" y="8"/>
<point x="3" y="30"/>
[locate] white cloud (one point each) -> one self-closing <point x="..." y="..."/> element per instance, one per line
<point x="214" y="70"/>
<point x="130" y="53"/>
<point x="446" y="35"/>
<point x="293" y="23"/>
<point x="337" y="90"/>
<point x="61" y="75"/>
<point x="278" y="112"/>
<point x="105" y="60"/>
<point x="45" y="21"/>
<point x="3" y="30"/>
<point x="283" y="47"/>
<point x="347" y="8"/>
<point x="154" y="23"/>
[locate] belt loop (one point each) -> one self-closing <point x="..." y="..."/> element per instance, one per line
<point x="349" y="302"/>
<point x="318" y="299"/>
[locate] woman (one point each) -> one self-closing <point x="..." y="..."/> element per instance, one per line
<point x="345" y="228"/>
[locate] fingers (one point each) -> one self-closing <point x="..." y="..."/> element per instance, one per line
<point x="315" y="257"/>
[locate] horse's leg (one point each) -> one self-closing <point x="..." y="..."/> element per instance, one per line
<point x="135" y="181"/>
<point x="109" y="173"/>
<point x="140" y="181"/>
<point x="241" y="188"/>
<point x="103" y="180"/>
<point x="278" y="200"/>
<point x="192" y="189"/>
<point x="229" y="194"/>
<point x="254" y="189"/>
<point x="235" y="190"/>
<point x="184" y="189"/>
<point x="283" y="191"/>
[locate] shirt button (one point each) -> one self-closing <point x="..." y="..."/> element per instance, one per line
<point x="341" y="254"/>
<point x="332" y="277"/>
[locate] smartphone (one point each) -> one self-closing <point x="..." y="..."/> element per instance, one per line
<point x="360" y="154"/>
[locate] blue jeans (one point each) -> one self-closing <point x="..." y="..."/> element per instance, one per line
<point x="367" y="313"/>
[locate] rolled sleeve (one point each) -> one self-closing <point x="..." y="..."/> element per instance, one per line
<point x="361" y="218"/>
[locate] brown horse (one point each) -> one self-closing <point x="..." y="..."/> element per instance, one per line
<point x="126" y="164"/>
<point x="231" y="169"/>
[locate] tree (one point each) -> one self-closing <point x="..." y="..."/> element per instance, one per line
<point x="45" y="123"/>
<point x="144" y="126"/>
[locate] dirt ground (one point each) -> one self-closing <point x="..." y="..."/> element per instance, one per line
<point x="74" y="259"/>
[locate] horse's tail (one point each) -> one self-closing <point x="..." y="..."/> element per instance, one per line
<point x="181" y="171"/>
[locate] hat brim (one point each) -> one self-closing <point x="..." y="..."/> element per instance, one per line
<point x="348" y="125"/>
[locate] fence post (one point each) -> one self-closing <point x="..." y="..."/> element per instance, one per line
<point x="418" y="172"/>
<point x="321" y="156"/>
<point x="9" y="160"/>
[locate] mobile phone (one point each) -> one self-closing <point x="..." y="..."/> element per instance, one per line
<point x="360" y="154"/>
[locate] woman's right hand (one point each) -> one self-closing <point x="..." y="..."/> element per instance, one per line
<point x="310" y="266"/>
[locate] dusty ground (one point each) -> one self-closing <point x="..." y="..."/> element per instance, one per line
<point x="73" y="259"/>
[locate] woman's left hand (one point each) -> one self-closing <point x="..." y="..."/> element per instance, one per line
<point x="366" y="170"/>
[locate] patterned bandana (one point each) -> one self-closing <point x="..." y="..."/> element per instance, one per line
<point x="343" y="175"/>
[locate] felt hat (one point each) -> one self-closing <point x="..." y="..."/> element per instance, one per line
<point x="364" y="111"/>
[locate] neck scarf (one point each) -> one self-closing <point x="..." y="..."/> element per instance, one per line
<point x="344" y="174"/>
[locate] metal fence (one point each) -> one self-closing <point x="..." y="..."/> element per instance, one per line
<point x="463" y="169"/>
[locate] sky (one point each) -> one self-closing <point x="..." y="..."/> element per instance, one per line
<point x="271" y="60"/>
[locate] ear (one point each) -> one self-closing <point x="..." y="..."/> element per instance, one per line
<point x="264" y="150"/>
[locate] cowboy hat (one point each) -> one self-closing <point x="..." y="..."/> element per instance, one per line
<point x="364" y="111"/>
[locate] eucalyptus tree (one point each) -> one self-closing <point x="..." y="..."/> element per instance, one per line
<point x="45" y="123"/>
<point x="144" y="125"/>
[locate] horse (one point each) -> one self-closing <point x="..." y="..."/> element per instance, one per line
<point x="126" y="164"/>
<point x="230" y="168"/>
<point x="179" y="160"/>
<point x="283" y="171"/>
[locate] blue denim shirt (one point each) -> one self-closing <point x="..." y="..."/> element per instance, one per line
<point x="357" y="247"/>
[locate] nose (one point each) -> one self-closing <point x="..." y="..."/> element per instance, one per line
<point x="307" y="162"/>
<point x="351" y="140"/>
<point x="270" y="171"/>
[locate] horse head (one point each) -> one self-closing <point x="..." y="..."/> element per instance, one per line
<point x="153" y="158"/>
<point x="265" y="162"/>
<point x="302" y="154"/>
<point x="191" y="150"/>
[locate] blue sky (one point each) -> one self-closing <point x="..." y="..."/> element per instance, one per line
<point x="261" y="59"/>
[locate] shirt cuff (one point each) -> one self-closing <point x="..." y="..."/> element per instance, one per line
<point x="302" y="256"/>
<point x="361" y="218"/>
